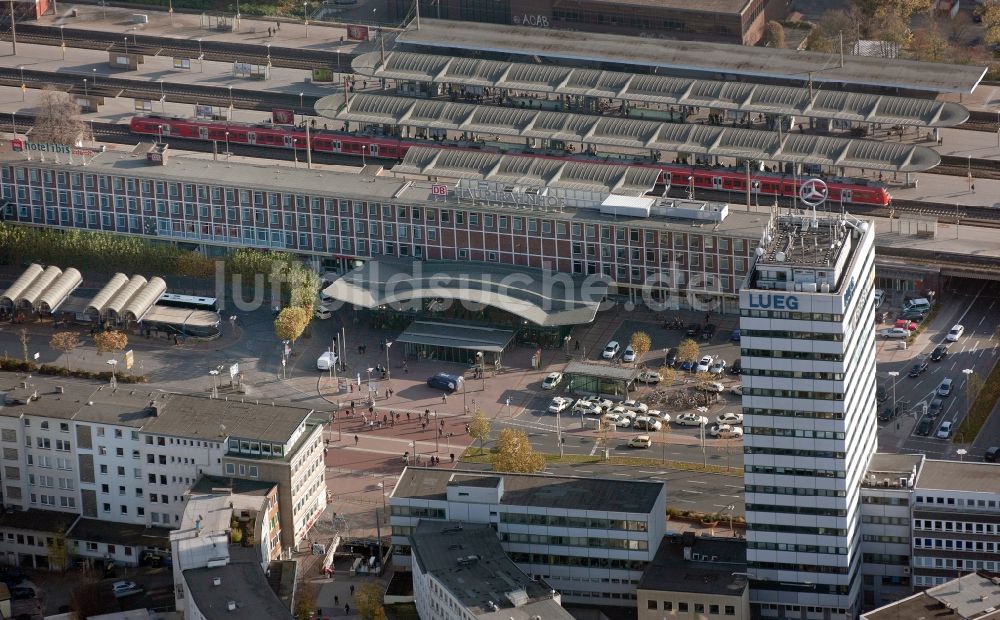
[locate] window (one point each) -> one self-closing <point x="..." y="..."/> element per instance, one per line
<point x="651" y="604"/>
<point x="230" y="469"/>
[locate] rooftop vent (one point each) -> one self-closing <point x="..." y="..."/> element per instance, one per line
<point x="231" y="605"/>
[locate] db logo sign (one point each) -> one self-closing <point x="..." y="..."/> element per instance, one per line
<point x="17" y="144"/>
<point x="439" y="190"/>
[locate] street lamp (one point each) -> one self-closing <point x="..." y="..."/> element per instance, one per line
<point x="387" y="345"/>
<point x="961" y="452"/>
<point x="85" y="94"/>
<point x="215" y="382"/>
<point x="566" y="340"/>
<point x="230" y="101"/>
<point x="227" y="145"/>
<point x="23" y="87"/>
<point x="113" y="363"/>
<point x="701" y="427"/>
<point x="369" y="371"/>
<point x="160" y="128"/>
<point x="968" y="389"/>
<point x="163" y="98"/>
<point x="302" y="107"/>
<point x="894" y="374"/>
<point x="62" y="41"/>
<point x="970" y="171"/>
<point x="305" y="17"/>
<point x="268" y="45"/>
<point x="756" y="192"/>
<point x="126" y="46"/>
<point x="690" y="180"/>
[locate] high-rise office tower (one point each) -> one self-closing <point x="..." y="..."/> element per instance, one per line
<point x="808" y="354"/>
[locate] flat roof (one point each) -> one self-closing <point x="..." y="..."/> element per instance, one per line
<point x="671" y="572"/>
<point x="603" y="371"/>
<point x="974" y="595"/>
<point x="537" y="490"/>
<point x="214" y="485"/>
<point x="743" y="97"/>
<point x="959" y="476"/>
<point x="38" y="520"/>
<point x="468" y="560"/>
<point x="182" y="316"/>
<point x="629" y="135"/>
<point x="886" y="463"/>
<point x="126" y="405"/>
<point x="727" y="59"/>
<point x="468" y="337"/>
<point x="243" y="583"/>
<point x="132" y="534"/>
<point x="540" y="296"/>
<point x="199" y="417"/>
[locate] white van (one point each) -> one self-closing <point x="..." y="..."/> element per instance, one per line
<point x="920" y="304"/>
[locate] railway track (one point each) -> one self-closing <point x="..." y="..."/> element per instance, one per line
<point x="219" y="51"/>
<point x="962" y="166"/>
<point x="980" y="120"/>
<point x="153" y="91"/>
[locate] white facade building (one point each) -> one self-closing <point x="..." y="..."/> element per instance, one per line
<point x="808" y="354"/>
<point x="590" y="538"/>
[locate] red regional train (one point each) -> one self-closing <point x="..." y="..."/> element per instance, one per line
<point x="846" y="191"/>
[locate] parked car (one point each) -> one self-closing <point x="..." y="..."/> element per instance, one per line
<point x="935" y="407"/>
<point x="736" y="389"/>
<point x="689" y="365"/>
<point x="881" y="394"/>
<point x="704" y="364"/>
<point x="955" y="333"/>
<point x="725" y="430"/>
<point x="734" y="336"/>
<point x="640" y="441"/>
<point x="709" y="332"/>
<point x="917" y="368"/>
<point x="945" y="388"/>
<point x="649" y="376"/>
<point x="913" y="315"/>
<point x="939" y="353"/>
<point x="924" y="427"/>
<point x="617" y="420"/>
<point x="906" y="324"/>
<point x="560" y="404"/>
<point x="603" y="403"/>
<point x="20" y="593"/>
<point x="718" y="367"/>
<point x="671" y="359"/>
<point x="991" y="454"/>
<point x="729" y="418"/>
<point x="944" y="431"/>
<point x="327" y="360"/>
<point x="691" y="419"/>
<point x="894" y="332"/>
<point x="552" y="380"/>
<point x="322" y="313"/>
<point x="656" y="414"/>
<point x="611" y="350"/>
<point x="585" y="407"/>
<point x="693" y="330"/>
<point x="629" y="355"/>
<point x="645" y="423"/>
<point x="736" y="368"/>
<point x="446" y="381"/>
<point x="634" y="405"/>
<point x="712" y="386"/>
<point x="879" y="297"/>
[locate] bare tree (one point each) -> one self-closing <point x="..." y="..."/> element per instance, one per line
<point x="58" y="119"/>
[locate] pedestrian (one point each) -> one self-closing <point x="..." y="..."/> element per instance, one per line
<point x="973" y="188"/>
<point x="444" y="397"/>
<point x="350" y="388"/>
<point x="352" y="589"/>
<point x="355" y="440"/>
<point x="577" y="345"/>
<point x="347" y="606"/>
<point x="336" y="600"/>
<point x="423" y="426"/>
<point x="407" y="416"/>
<point x="385" y="418"/>
<point x="277" y="26"/>
<point x="177" y="340"/>
<point x="452" y="457"/>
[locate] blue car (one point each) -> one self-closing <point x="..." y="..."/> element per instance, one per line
<point x="735" y="336"/>
<point x="688" y="365"/>
<point x="446" y="381"/>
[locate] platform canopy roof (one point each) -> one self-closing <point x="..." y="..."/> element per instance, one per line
<point x="663" y="90"/>
<point x="529" y="171"/>
<point x="539" y="296"/>
<point x="628" y="135"/>
<point x="700" y="56"/>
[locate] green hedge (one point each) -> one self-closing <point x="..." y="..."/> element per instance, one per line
<point x="15" y="365"/>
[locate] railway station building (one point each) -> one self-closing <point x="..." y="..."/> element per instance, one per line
<point x="731" y="21"/>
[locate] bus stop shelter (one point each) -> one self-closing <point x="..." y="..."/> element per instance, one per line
<point x="582" y="377"/>
<point x="449" y="342"/>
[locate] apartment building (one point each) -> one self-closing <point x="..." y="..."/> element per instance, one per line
<point x="808" y="354"/>
<point x="956" y="521"/>
<point x="972" y="596"/>
<point x="460" y="572"/>
<point x="124" y="459"/>
<point x="886" y="501"/>
<point x="590" y="538"/>
<point x="222" y="549"/>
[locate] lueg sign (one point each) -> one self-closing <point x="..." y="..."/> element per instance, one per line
<point x="774" y="302"/>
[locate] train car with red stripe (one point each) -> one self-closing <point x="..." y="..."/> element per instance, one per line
<point x="841" y="190"/>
